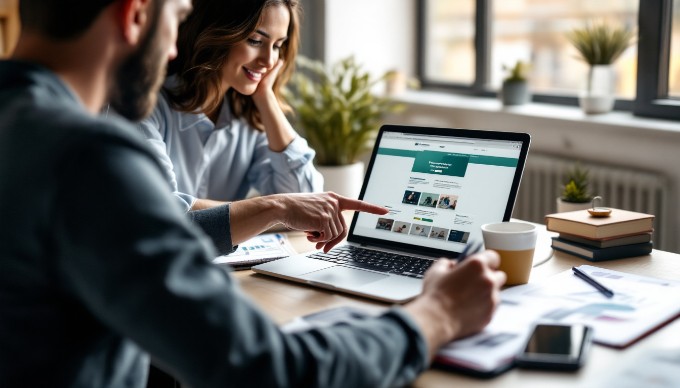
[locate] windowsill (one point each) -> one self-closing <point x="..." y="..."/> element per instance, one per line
<point x="574" y="115"/>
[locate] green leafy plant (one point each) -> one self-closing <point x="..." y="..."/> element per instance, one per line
<point x="517" y="73"/>
<point x="336" y="108"/>
<point x="575" y="187"/>
<point x="600" y="43"/>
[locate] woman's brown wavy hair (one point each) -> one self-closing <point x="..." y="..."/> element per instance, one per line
<point x="203" y="44"/>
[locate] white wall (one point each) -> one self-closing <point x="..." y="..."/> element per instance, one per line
<point x="380" y="33"/>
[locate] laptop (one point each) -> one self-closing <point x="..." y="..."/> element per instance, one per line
<point x="441" y="185"/>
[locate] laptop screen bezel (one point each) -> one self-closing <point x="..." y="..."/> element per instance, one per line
<point x="524" y="138"/>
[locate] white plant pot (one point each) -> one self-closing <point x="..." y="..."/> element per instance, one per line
<point x="344" y="180"/>
<point x="563" y="206"/>
<point x="596" y="104"/>
<point x="599" y="93"/>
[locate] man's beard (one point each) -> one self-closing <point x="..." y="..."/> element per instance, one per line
<point x="134" y="92"/>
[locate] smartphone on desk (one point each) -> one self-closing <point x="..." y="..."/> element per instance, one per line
<point x="556" y="346"/>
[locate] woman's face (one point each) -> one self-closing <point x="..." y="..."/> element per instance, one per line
<point x="250" y="60"/>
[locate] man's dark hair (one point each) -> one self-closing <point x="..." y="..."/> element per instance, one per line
<point x="60" y="19"/>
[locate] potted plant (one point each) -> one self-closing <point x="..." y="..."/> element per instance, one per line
<point x="340" y="115"/>
<point x="575" y="193"/>
<point x="599" y="45"/>
<point x="396" y="82"/>
<point x="515" y="89"/>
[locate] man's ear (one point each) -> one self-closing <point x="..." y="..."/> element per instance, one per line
<point x="133" y="17"/>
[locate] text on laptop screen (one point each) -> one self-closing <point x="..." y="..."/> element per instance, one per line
<point x="439" y="189"/>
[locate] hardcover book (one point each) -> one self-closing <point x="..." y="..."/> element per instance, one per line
<point x="599" y="254"/>
<point x="610" y="241"/>
<point x="581" y="223"/>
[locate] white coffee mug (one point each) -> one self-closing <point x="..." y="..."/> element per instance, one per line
<point x="515" y="242"/>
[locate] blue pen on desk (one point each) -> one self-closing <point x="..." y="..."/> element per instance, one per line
<point x="604" y="290"/>
<point x="469" y="250"/>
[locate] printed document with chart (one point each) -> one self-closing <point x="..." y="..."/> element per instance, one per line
<point x="640" y="305"/>
<point x="257" y="250"/>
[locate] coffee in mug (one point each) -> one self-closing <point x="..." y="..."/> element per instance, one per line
<point x="515" y="242"/>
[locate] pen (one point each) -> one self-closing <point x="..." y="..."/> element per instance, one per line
<point x="604" y="290"/>
<point x="469" y="250"/>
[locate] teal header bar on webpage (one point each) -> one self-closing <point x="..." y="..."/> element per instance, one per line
<point x="474" y="159"/>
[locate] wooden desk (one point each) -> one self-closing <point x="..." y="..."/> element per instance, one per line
<point x="286" y="300"/>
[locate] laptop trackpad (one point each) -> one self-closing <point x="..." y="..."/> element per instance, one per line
<point x="343" y="277"/>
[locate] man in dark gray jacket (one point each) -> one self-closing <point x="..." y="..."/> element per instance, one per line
<point x="99" y="267"/>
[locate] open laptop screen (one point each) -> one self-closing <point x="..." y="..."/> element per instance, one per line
<point x="440" y="185"/>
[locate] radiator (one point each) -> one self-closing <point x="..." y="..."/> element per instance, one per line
<point x="620" y="187"/>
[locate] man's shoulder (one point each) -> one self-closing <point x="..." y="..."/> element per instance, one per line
<point x="37" y="104"/>
<point x="64" y="127"/>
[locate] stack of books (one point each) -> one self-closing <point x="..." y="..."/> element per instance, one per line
<point x="622" y="234"/>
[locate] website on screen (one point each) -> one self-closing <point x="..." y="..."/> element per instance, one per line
<point x="439" y="189"/>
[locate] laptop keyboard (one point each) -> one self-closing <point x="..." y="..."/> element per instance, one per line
<point x="376" y="260"/>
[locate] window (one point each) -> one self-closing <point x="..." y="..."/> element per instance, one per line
<point x="464" y="45"/>
<point x="674" y="73"/>
<point x="452" y="34"/>
<point x="535" y="31"/>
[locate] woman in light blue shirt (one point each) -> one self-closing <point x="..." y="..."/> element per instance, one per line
<point x="219" y="127"/>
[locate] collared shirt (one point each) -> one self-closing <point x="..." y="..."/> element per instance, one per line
<point x="99" y="267"/>
<point x="226" y="159"/>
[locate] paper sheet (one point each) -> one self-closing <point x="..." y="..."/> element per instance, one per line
<point x="639" y="306"/>
<point x="259" y="249"/>
<point x="654" y="368"/>
<point x="640" y="303"/>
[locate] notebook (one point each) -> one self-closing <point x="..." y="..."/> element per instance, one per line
<point x="441" y="185"/>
